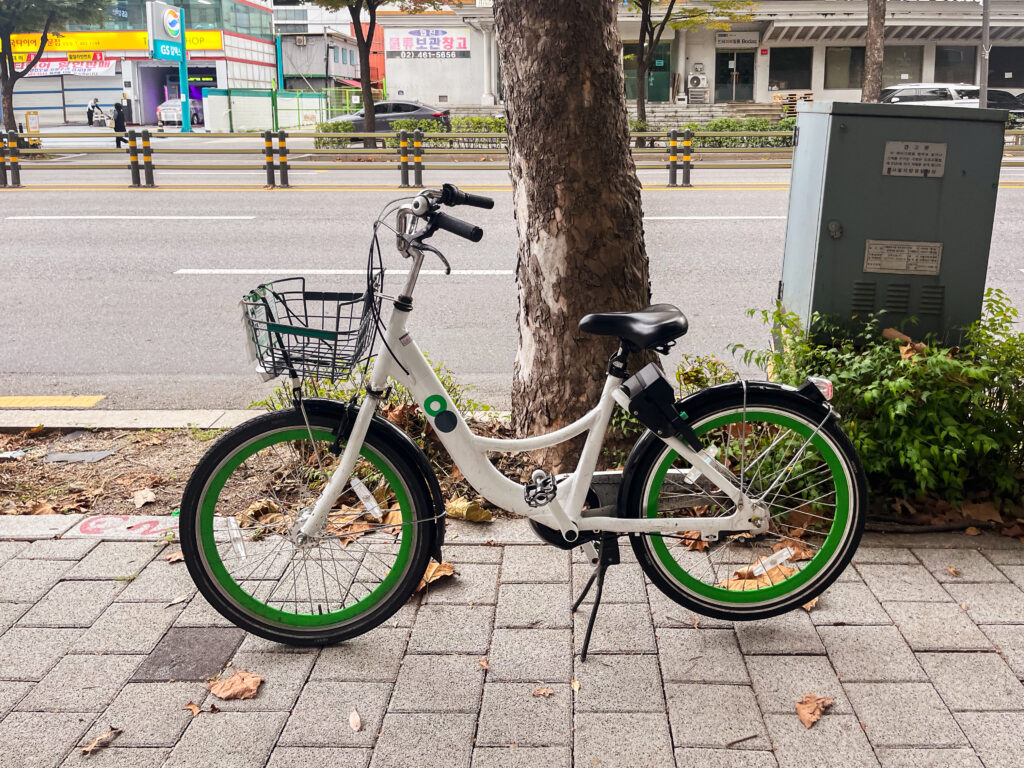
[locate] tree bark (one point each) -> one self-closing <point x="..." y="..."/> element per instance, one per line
<point x="874" y="50"/>
<point x="577" y="204"/>
<point x="9" y="76"/>
<point x="364" y="41"/>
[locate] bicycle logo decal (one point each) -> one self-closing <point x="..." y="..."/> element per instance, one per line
<point x="437" y="406"/>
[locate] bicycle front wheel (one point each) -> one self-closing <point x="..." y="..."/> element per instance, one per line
<point x="239" y="520"/>
<point x="784" y="451"/>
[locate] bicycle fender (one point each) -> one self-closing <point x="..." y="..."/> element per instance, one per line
<point x="404" y="444"/>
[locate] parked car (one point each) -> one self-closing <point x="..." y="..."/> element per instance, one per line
<point x="386" y="112"/>
<point x="169" y="113"/>
<point x="932" y="94"/>
<point x="1014" y="104"/>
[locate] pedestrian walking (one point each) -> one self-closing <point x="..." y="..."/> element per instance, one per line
<point x="119" y="126"/>
<point x="91" y="108"/>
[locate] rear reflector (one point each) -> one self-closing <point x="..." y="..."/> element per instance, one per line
<point x="824" y="386"/>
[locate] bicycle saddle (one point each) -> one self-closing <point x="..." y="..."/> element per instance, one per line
<point x="647" y="328"/>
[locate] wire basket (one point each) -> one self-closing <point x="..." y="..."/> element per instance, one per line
<point x="310" y="334"/>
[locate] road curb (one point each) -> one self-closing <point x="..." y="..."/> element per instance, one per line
<point x="17" y="419"/>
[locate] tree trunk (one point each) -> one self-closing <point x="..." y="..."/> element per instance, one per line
<point x="364" y="41"/>
<point x="577" y="204"/>
<point x="874" y="49"/>
<point x="7" y="99"/>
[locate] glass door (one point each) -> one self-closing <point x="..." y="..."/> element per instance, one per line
<point x="734" y="76"/>
<point x="658" y="76"/>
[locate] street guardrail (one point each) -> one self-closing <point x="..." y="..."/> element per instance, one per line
<point x="679" y="152"/>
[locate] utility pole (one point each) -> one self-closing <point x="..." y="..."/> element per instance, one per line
<point x="986" y="48"/>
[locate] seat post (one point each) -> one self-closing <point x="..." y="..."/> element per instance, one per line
<point x="617" y="362"/>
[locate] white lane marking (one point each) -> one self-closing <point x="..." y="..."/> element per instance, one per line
<point x="133" y="218"/>
<point x="295" y="272"/>
<point x="62" y="157"/>
<point x="712" y="218"/>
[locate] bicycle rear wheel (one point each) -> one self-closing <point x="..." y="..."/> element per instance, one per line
<point x="784" y="450"/>
<point x="239" y="519"/>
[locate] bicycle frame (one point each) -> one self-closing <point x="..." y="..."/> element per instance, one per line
<point x="407" y="365"/>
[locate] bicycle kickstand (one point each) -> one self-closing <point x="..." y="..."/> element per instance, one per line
<point x="608" y="554"/>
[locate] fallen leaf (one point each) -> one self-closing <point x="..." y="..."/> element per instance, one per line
<point x="692" y="541"/>
<point x="143" y="497"/>
<point x="982" y="512"/>
<point x="811" y="707"/>
<point x="963" y="606"/>
<point x="34" y="430"/>
<point x="435" y="571"/>
<point x="576" y="685"/>
<point x="953" y="571"/>
<point x="102" y="741"/>
<point x="214" y="709"/>
<point x="174" y="557"/>
<point x="393" y="517"/>
<point x="462" y="508"/>
<point x="354" y="722"/>
<point x="241" y="685"/>
<point x="483" y="664"/>
<point x="178" y="599"/>
<point x="42" y="508"/>
<point x="545" y="692"/>
<point x="194" y="708"/>
<point x="972" y="531"/>
<point x="809" y="606"/>
<point x="800" y="550"/>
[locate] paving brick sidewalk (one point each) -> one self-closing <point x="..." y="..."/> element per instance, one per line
<point x="925" y="666"/>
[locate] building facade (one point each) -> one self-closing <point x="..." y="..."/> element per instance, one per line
<point x="791" y="46"/>
<point x="229" y="43"/>
<point x="314" y="62"/>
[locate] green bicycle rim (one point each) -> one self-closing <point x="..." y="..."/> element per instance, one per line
<point x="231" y="588"/>
<point x="809" y="571"/>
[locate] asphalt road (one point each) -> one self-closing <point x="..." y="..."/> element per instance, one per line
<point x="102" y="305"/>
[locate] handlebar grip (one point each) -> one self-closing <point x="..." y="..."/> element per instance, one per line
<point x="452" y="195"/>
<point x="458" y="227"/>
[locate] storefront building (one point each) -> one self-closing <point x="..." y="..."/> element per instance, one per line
<point x="230" y="44"/>
<point x="811" y="47"/>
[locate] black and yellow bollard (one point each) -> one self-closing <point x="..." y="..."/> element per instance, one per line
<point x="417" y="158"/>
<point x="147" y="158"/>
<point x="687" y="143"/>
<point x="673" y="143"/>
<point x="268" y="156"/>
<point x="12" y="155"/>
<point x="133" y="157"/>
<point x="282" y="157"/>
<point x="3" y="160"/>
<point x="403" y="159"/>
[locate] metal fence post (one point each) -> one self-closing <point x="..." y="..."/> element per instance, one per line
<point x="282" y="157"/>
<point x="403" y="158"/>
<point x="417" y="157"/>
<point x="687" y="143"/>
<point x="133" y="157"/>
<point x="673" y="142"/>
<point x="268" y="157"/>
<point x="12" y="153"/>
<point x="147" y="158"/>
<point x="3" y="160"/>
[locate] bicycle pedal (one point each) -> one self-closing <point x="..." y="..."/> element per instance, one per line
<point x="541" y="489"/>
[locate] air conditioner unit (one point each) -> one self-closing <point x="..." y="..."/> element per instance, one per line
<point x="697" y="80"/>
<point x="300" y="40"/>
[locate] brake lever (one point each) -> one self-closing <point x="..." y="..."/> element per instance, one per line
<point x="433" y="250"/>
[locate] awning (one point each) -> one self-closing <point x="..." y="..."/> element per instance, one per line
<point x="346" y="81"/>
<point x="903" y="30"/>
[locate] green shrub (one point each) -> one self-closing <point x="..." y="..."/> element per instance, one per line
<point x="427" y="126"/>
<point x="337" y="142"/>
<point x="945" y="421"/>
<point x="479" y="125"/>
<point x="723" y="124"/>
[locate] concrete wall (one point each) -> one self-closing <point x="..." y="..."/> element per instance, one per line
<point x="253" y="109"/>
<point x="440" y="82"/>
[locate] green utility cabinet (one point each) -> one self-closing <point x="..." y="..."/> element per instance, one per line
<point x="891" y="208"/>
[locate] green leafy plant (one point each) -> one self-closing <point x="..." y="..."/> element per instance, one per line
<point x="333" y="142"/>
<point x="426" y="126"/>
<point x="926" y="419"/>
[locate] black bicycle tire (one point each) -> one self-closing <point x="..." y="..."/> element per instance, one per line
<point x="643" y="460"/>
<point x="232" y="441"/>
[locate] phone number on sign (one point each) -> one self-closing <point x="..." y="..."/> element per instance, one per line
<point x="434" y="54"/>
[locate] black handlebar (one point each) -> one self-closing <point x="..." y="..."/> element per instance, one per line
<point x="457" y="227"/>
<point x="452" y="195"/>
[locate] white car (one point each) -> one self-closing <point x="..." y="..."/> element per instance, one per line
<point x="169" y="113"/>
<point x="932" y="94"/>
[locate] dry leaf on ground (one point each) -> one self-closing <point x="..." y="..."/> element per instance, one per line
<point x="484" y="664"/>
<point x="545" y="692"/>
<point x="194" y="708"/>
<point x="143" y="497"/>
<point x="241" y="685"/>
<point x="435" y="571"/>
<point x="811" y="707"/>
<point x="102" y="741"/>
<point x="972" y="531"/>
<point x="174" y="557"/>
<point x="576" y="685"/>
<point x="800" y="550"/>
<point x="692" y="541"/>
<point x="178" y="599"/>
<point x="810" y="606"/>
<point x="42" y="508"/>
<point x="953" y="571"/>
<point x="464" y="509"/>
<point x="982" y="512"/>
<point x="354" y="722"/>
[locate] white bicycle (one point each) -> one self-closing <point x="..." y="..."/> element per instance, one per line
<point x="316" y="523"/>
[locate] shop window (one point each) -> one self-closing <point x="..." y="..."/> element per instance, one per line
<point x="902" y="64"/>
<point x="1006" y="68"/>
<point x="336" y="56"/>
<point x="790" y="69"/>
<point x="844" y="67"/>
<point x="955" y="63"/>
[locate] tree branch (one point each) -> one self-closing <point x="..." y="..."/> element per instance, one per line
<point x="664" y="22"/>
<point x="16" y="76"/>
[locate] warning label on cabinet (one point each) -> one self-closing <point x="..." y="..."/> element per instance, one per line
<point x="914" y="158"/>
<point x="900" y="257"/>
